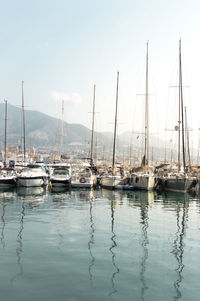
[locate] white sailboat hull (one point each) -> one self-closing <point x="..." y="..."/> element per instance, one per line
<point x="82" y="182"/>
<point x="111" y="182"/>
<point x="143" y="181"/>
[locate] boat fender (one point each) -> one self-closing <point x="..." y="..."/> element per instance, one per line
<point x="82" y="180"/>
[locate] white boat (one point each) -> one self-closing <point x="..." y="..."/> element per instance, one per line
<point x="180" y="181"/>
<point x="7" y="180"/>
<point x="142" y="181"/>
<point x="83" y="178"/>
<point x="112" y="182"/>
<point x="32" y="177"/>
<point x="61" y="177"/>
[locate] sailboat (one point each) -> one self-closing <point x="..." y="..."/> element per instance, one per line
<point x="92" y="133"/>
<point x="112" y="181"/>
<point x="7" y="177"/>
<point x="83" y="176"/>
<point x="145" y="179"/>
<point x="179" y="181"/>
<point x="61" y="172"/>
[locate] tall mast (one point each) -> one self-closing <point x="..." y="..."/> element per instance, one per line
<point x="96" y="148"/>
<point x="198" y="152"/>
<point x="181" y="110"/>
<point x="147" y="113"/>
<point x="92" y="138"/>
<point x="115" y="127"/>
<point x="187" y="143"/>
<point x="6" y="131"/>
<point x="23" y="122"/>
<point x="61" y="132"/>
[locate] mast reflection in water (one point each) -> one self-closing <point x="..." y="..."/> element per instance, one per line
<point x="113" y="245"/>
<point x="144" y="244"/>
<point x="91" y="241"/>
<point x="19" y="248"/>
<point x="3" y="224"/>
<point x="99" y="245"/>
<point x="178" y="245"/>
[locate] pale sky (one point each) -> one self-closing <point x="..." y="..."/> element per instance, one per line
<point x="61" y="48"/>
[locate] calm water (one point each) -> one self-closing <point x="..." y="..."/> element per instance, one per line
<point x="100" y="245"/>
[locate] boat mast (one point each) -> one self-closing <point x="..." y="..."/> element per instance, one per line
<point x="187" y="143"/>
<point x="181" y="110"/>
<point x="6" y="132"/>
<point x="146" y="161"/>
<point x="61" y="132"/>
<point x="115" y="127"/>
<point x="23" y="122"/>
<point x="92" y="137"/>
<point x="198" y="151"/>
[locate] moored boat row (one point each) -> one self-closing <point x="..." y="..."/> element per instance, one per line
<point x="66" y="176"/>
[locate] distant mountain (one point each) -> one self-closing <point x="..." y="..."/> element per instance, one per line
<point x="136" y="138"/>
<point x="43" y="130"/>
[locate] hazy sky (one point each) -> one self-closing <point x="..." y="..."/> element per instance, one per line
<point x="61" y="48"/>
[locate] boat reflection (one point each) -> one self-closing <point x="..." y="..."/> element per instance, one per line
<point x="60" y="198"/>
<point x="114" y="195"/>
<point x="59" y="189"/>
<point x="32" y="196"/>
<point x="31" y="191"/>
<point x="82" y="195"/>
<point x="137" y="198"/>
<point x="7" y="194"/>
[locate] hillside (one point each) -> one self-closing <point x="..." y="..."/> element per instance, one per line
<point x="42" y="129"/>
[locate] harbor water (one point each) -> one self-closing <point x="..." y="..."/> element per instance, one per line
<point x="83" y="245"/>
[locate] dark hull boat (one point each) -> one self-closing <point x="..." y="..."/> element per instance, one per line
<point x="60" y="182"/>
<point x="7" y="181"/>
<point x="180" y="181"/>
<point x="178" y="184"/>
<point x="61" y="177"/>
